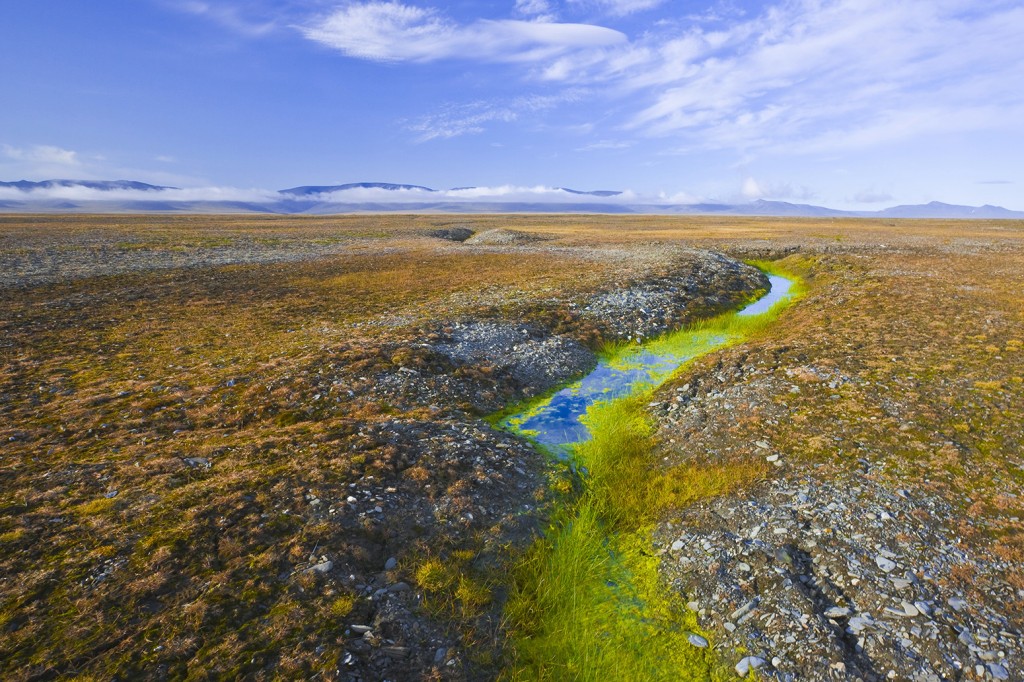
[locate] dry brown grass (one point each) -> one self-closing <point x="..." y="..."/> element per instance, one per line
<point x="107" y="383"/>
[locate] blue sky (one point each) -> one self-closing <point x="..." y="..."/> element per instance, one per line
<point x="849" y="103"/>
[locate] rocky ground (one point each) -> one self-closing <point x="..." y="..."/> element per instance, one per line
<point x="257" y="450"/>
<point x="884" y="541"/>
<point x="841" y="579"/>
<point x="292" y="451"/>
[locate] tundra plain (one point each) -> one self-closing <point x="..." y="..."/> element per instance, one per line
<point x="256" y="447"/>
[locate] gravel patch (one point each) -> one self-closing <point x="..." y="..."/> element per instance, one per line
<point x="502" y="237"/>
<point x="530" y="357"/>
<point x="649" y="308"/>
<point x="841" y="580"/>
<point x="62" y="263"/>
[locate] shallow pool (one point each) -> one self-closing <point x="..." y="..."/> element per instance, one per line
<point x="556" y="421"/>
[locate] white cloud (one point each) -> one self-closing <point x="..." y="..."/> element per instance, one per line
<point x="229" y="16"/>
<point x="500" y="193"/>
<point x="833" y="75"/>
<point x="461" y="120"/>
<point x="43" y="154"/>
<point x="751" y="189"/>
<point x="755" y="189"/>
<point x="392" y="32"/>
<point x="355" y="195"/>
<point x="465" y="119"/>
<point x="602" y="145"/>
<point x="793" y="76"/>
<point x="621" y="7"/>
<point x="872" y="196"/>
<point x="87" y="194"/>
<point x="540" y="10"/>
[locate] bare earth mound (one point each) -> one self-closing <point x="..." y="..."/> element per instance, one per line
<point x="502" y="237"/>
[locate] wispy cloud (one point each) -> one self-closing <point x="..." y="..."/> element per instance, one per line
<point x="827" y="75"/>
<point x="47" y="162"/>
<point x="471" y="118"/>
<point x="394" y="32"/>
<point x="620" y="7"/>
<point x="760" y="189"/>
<point x="228" y="15"/>
<point x="43" y="154"/>
<point x="78" y="193"/>
<point x="539" y="10"/>
<point x="793" y="76"/>
<point x="602" y="145"/>
<point x="499" y="193"/>
<point x="872" y="196"/>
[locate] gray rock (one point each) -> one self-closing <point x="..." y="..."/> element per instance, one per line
<point x="745" y="609"/>
<point x="837" y="612"/>
<point x="886" y="565"/>
<point x="859" y="623"/>
<point x="391" y="564"/>
<point x="749" y="663"/>
<point x="998" y="672"/>
<point x="697" y="641"/>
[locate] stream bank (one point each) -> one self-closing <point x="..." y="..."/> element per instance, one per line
<point x="588" y="602"/>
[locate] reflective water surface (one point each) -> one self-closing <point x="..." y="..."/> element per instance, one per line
<point x="555" y="422"/>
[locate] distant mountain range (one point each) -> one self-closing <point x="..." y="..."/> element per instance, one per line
<point x="128" y="196"/>
<point x="102" y="185"/>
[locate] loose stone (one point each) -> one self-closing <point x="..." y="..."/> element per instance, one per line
<point x="697" y="641"/>
<point x="749" y="663"/>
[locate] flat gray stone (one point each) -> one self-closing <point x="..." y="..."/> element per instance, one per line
<point x="749" y="663"/>
<point x="998" y="672"/>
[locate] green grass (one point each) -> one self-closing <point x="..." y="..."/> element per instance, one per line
<point x="587" y="602"/>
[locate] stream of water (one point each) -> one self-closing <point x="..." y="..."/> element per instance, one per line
<point x="555" y="423"/>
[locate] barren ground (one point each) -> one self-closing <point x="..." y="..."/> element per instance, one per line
<point x="254" y="446"/>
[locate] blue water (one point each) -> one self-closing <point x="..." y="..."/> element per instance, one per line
<point x="778" y="291"/>
<point x="556" y="423"/>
